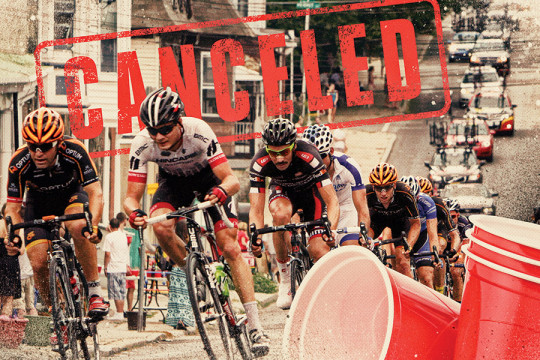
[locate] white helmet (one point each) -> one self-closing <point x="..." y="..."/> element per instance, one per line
<point x="412" y="183"/>
<point x="320" y="136"/>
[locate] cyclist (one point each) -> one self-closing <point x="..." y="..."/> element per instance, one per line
<point x="347" y="180"/>
<point x="59" y="177"/>
<point x="463" y="225"/>
<point x="392" y="210"/>
<point x="190" y="160"/>
<point x="299" y="180"/>
<point x="428" y="232"/>
<point x="446" y="228"/>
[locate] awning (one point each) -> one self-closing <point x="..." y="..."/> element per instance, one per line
<point x="16" y="70"/>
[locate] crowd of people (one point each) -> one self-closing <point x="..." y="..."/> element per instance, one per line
<point x="311" y="172"/>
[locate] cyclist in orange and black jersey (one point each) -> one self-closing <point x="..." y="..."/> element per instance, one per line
<point x="392" y="210"/>
<point x="58" y="177"/>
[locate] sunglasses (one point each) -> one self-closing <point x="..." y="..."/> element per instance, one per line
<point x="323" y="156"/>
<point x="385" y="188"/>
<point x="42" y="147"/>
<point x="282" y="152"/>
<point x="163" y="130"/>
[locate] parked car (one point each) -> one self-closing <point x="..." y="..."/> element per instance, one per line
<point x="496" y="30"/>
<point x="461" y="45"/>
<point x="495" y="108"/>
<point x="479" y="78"/>
<point x="472" y="198"/>
<point x="471" y="132"/>
<point x="491" y="52"/>
<point x="449" y="165"/>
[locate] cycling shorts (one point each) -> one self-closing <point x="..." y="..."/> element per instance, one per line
<point x="422" y="245"/>
<point x="347" y="219"/>
<point x="40" y="206"/>
<point x="174" y="192"/>
<point x="309" y="200"/>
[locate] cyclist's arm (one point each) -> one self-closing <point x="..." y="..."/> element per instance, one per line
<point x="329" y="196"/>
<point x="414" y="231"/>
<point x="360" y="203"/>
<point x="95" y="199"/>
<point x="455" y="240"/>
<point x="256" y="209"/>
<point x="134" y="194"/>
<point x="229" y="182"/>
<point x="13" y="209"/>
<point x="432" y="234"/>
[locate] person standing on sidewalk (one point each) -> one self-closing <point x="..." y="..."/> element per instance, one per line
<point x="25" y="304"/>
<point x="134" y="258"/>
<point x="332" y="91"/>
<point x="115" y="266"/>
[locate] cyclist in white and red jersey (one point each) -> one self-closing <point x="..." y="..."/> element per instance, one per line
<point x="190" y="161"/>
<point x="299" y="181"/>
<point x="345" y="174"/>
<point x="57" y="176"/>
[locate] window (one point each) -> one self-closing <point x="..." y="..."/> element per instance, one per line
<point x="208" y="95"/>
<point x="61" y="85"/>
<point x="64" y="11"/>
<point x="243" y="7"/>
<point x="108" y="55"/>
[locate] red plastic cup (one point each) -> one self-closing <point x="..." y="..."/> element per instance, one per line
<point x="499" y="316"/>
<point x="504" y="258"/>
<point x="350" y="306"/>
<point x="519" y="237"/>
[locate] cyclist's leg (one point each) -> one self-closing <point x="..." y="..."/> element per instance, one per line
<point x="403" y="261"/>
<point x="314" y="208"/>
<point x="36" y="248"/>
<point x="424" y="265"/>
<point x="457" y="274"/>
<point x="438" y="279"/>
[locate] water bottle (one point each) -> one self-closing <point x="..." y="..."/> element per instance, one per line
<point x="221" y="278"/>
<point x="74" y="286"/>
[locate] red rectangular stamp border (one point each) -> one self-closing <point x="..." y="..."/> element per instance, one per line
<point x="266" y="17"/>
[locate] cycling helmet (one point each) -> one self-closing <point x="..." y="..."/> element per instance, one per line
<point x="279" y="132"/>
<point x="160" y="107"/>
<point x="43" y="126"/>
<point x="320" y="136"/>
<point x="383" y="174"/>
<point x="452" y="204"/>
<point x="425" y="185"/>
<point x="412" y="183"/>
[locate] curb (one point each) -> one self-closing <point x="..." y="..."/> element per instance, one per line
<point x="388" y="150"/>
<point x="268" y="301"/>
<point x="126" y="347"/>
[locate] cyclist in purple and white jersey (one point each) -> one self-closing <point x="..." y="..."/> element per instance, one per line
<point x="344" y="172"/>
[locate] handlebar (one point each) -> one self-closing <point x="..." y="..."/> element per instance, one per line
<point x="435" y="253"/>
<point x="362" y="230"/>
<point x="181" y="212"/>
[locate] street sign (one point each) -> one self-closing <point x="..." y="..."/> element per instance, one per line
<point x="308" y="4"/>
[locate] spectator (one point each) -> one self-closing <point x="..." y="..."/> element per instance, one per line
<point x="115" y="266"/>
<point x="332" y="91"/>
<point x="25" y="304"/>
<point x="130" y="284"/>
<point x="340" y="139"/>
<point x="10" y="280"/>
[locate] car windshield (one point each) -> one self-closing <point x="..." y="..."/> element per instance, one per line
<point x="490" y="102"/>
<point x="466" y="129"/>
<point x="480" y="78"/>
<point x="489" y="46"/>
<point x="444" y="158"/>
<point x="455" y="191"/>
<point x="493" y="27"/>
<point x="465" y="37"/>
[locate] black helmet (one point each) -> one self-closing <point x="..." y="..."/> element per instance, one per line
<point x="278" y="132"/>
<point x="160" y="107"/>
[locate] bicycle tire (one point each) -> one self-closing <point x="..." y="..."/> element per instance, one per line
<point x="62" y="310"/>
<point x="298" y="271"/>
<point x="207" y="308"/>
<point x="89" y="327"/>
<point x="240" y="334"/>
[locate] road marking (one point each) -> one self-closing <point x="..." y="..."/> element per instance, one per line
<point x="385" y="127"/>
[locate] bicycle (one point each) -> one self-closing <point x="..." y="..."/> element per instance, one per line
<point x="208" y="279"/>
<point x="448" y="280"/>
<point x="300" y="261"/>
<point x="434" y="253"/>
<point x="375" y="245"/>
<point x="68" y="288"/>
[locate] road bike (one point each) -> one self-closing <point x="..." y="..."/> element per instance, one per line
<point x="448" y="279"/>
<point x="76" y="333"/>
<point x="209" y="285"/>
<point x="434" y="253"/>
<point x="300" y="261"/>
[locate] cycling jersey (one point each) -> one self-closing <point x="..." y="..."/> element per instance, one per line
<point x="346" y="179"/>
<point x="426" y="209"/>
<point x="463" y="224"/>
<point x="72" y="170"/>
<point x="305" y="171"/>
<point x="402" y="208"/>
<point x="200" y="150"/>
<point x="445" y="224"/>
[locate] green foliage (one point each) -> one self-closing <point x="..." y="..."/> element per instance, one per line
<point x="263" y="284"/>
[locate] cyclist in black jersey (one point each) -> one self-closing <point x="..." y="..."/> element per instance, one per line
<point x="58" y="177"/>
<point x="446" y="229"/>
<point x="393" y="209"/>
<point x="299" y="180"/>
<point x="190" y="160"/>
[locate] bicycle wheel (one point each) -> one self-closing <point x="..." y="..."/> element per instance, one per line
<point x="63" y="311"/>
<point x="207" y="309"/>
<point x="238" y="330"/>
<point x="89" y="347"/>
<point x="298" y="271"/>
